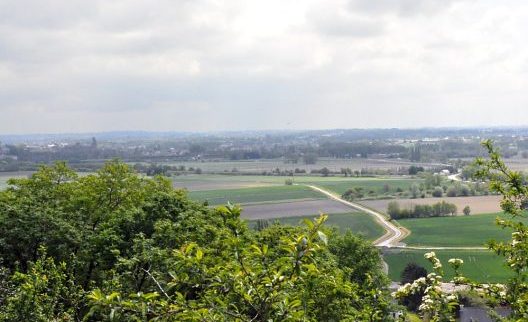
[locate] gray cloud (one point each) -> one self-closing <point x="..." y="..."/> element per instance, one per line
<point x="205" y="65"/>
<point x="401" y="7"/>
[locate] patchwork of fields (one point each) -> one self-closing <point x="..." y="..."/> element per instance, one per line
<point x="267" y="197"/>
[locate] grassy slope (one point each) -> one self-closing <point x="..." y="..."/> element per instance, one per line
<point x="455" y="231"/>
<point x="482" y="266"/>
<point x="260" y="194"/>
<point x="357" y="222"/>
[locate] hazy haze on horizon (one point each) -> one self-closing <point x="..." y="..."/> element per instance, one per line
<point x="199" y="65"/>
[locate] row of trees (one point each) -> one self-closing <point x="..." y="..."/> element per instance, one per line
<point x="438" y="209"/>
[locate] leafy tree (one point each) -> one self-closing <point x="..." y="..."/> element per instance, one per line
<point x="393" y="209"/>
<point x="411" y="273"/>
<point x="413" y="170"/>
<point x="415" y="190"/>
<point x="143" y="251"/>
<point x="467" y="210"/>
<point x="47" y="292"/>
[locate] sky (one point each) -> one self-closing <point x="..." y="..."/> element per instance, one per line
<point x="209" y="65"/>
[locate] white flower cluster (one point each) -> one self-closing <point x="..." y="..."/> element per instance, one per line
<point x="435" y="303"/>
<point x="498" y="291"/>
<point x="437" y="265"/>
<point x="455" y="263"/>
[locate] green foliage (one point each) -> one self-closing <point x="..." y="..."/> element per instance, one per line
<point x="143" y="251"/>
<point x="438" y="209"/>
<point x="47" y="292"/>
<point x="436" y="306"/>
<point x="411" y="273"/>
<point x="438" y="192"/>
<point x="512" y="186"/>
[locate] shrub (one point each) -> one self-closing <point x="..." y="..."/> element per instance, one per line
<point x="438" y="192"/>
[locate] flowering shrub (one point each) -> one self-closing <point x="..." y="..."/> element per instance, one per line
<point x="436" y="304"/>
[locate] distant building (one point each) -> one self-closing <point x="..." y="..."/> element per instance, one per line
<point x="445" y="172"/>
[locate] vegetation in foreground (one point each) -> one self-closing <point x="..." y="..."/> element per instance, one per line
<point x="437" y="305"/>
<point x="112" y="246"/>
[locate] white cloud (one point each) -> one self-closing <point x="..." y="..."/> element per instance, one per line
<point x="68" y="65"/>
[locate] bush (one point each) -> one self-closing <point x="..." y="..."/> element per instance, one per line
<point x="438" y="192"/>
<point x="451" y="192"/>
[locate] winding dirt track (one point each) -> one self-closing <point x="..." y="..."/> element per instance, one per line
<point x="393" y="234"/>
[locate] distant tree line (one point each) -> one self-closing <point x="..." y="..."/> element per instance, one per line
<point x="438" y="209"/>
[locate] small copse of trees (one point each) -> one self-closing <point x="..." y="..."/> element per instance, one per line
<point x="438" y="209"/>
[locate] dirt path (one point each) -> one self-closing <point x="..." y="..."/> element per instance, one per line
<point x="393" y="234"/>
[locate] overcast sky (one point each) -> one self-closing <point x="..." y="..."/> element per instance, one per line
<point x="199" y="65"/>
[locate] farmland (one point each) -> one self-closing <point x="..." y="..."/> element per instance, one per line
<point x="454" y="231"/>
<point x="357" y="222"/>
<point x="478" y="205"/>
<point x="371" y="186"/>
<point x="251" y="195"/>
<point x="479" y="265"/>
<point x="267" y="197"/>
<point x="298" y="208"/>
<point x="333" y="164"/>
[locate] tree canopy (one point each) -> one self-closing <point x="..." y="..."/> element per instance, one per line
<point x="114" y="246"/>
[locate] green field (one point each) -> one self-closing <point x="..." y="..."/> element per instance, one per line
<point x="369" y="184"/>
<point x="473" y="230"/>
<point x="479" y="265"/>
<point x="338" y="184"/>
<point x="357" y="222"/>
<point x="261" y="194"/>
